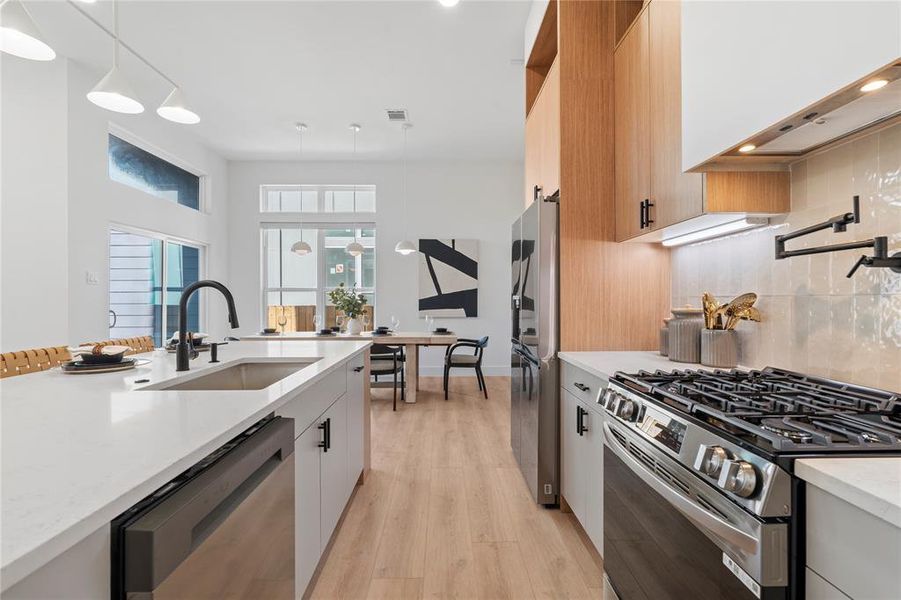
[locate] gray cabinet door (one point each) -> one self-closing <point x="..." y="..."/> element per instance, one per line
<point x="333" y="470"/>
<point x="355" y="421"/>
<point x="307" y="547"/>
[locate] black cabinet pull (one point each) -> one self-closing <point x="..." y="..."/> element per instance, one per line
<point x="582" y="386"/>
<point x="358" y="369"/>
<point x="324" y="443"/>
<point x="648" y="221"/>
<point x="579" y="420"/>
<point x="536" y="193"/>
<point x="641" y="215"/>
<point x="582" y="427"/>
<point x="328" y="434"/>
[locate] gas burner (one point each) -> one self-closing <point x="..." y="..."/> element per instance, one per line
<point x="776" y="426"/>
<point x="778" y="410"/>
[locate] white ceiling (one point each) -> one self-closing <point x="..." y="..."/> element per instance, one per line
<point x="254" y="68"/>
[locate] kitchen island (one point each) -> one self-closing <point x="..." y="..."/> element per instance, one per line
<point x="77" y="450"/>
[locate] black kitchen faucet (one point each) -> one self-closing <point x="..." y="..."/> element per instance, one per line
<point x="182" y="351"/>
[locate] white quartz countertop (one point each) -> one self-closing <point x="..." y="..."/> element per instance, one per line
<point x="872" y="484"/>
<point x="77" y="450"/>
<point x="605" y="364"/>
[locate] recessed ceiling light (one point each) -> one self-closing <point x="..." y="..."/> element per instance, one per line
<point x="747" y="148"/>
<point x="449" y="3"/>
<point x="874" y="85"/>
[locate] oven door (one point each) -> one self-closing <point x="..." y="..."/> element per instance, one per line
<point x="670" y="535"/>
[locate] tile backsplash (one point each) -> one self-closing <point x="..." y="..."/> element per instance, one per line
<point x="815" y="320"/>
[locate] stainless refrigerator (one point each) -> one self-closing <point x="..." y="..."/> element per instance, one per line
<point x="534" y="387"/>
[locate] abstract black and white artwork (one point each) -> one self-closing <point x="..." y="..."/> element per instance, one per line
<point x="449" y="278"/>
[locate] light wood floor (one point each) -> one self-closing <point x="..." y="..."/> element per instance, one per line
<point x="445" y="512"/>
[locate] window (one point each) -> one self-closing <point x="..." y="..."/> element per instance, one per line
<point x="318" y="198"/>
<point x="142" y="170"/>
<point x="295" y="288"/>
<point x="147" y="275"/>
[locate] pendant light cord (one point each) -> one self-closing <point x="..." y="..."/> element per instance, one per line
<point x="116" y="33"/>
<point x="406" y="216"/>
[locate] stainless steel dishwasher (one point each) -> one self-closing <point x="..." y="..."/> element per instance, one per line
<point x="224" y="528"/>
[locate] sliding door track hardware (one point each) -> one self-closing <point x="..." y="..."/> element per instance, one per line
<point x="839" y="223"/>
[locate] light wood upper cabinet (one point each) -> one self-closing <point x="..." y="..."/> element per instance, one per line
<point x="542" y="157"/>
<point x="651" y="191"/>
<point x="677" y="196"/>
<point x="550" y="137"/>
<point x="632" y="128"/>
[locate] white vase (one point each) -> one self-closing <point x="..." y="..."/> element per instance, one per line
<point x="354" y="326"/>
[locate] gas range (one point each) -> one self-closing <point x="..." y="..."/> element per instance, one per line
<point x="700" y="464"/>
<point x="742" y="430"/>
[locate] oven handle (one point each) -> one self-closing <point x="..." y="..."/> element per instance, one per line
<point x="692" y="511"/>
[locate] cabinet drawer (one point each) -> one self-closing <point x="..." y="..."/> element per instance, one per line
<point x="580" y="384"/>
<point x="315" y="400"/>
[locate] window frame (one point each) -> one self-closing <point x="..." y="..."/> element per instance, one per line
<point x="203" y="194"/>
<point x="166" y="239"/>
<point x="322" y="290"/>
<point x="321" y="190"/>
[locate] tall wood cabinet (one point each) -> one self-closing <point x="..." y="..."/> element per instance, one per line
<point x="652" y="192"/>
<point x="612" y="296"/>
<point x="542" y="158"/>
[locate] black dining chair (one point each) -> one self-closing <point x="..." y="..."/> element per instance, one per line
<point x="388" y="360"/>
<point x="453" y="360"/>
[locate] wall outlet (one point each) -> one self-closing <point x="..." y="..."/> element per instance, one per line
<point x="91" y="278"/>
<point x="548" y="489"/>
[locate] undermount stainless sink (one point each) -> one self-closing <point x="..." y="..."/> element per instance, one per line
<point x="241" y="376"/>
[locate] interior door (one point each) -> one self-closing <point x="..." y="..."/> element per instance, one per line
<point x="333" y="469"/>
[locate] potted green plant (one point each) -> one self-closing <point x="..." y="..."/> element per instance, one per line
<point x="351" y="304"/>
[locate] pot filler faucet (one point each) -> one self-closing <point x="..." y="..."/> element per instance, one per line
<point x="838" y="224"/>
<point x="182" y="351"/>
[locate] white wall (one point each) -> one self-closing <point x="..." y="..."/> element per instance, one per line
<point x="59" y="204"/>
<point x="460" y="199"/>
<point x="748" y="64"/>
<point x="33" y="204"/>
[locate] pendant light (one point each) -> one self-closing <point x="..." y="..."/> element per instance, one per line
<point x="355" y="248"/>
<point x="405" y="246"/>
<point x="19" y="36"/>
<point x="113" y="92"/>
<point x="301" y="248"/>
<point x="174" y="108"/>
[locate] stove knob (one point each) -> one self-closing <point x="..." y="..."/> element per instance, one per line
<point x="738" y="477"/>
<point x="710" y="460"/>
<point x="627" y="409"/>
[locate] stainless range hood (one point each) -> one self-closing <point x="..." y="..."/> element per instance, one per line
<point x="848" y="111"/>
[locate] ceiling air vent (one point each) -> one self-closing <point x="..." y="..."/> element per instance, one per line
<point x="397" y="115"/>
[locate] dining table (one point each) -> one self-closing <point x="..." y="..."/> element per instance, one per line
<point x="411" y="340"/>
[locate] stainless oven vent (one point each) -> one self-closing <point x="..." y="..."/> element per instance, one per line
<point x="652" y="463"/>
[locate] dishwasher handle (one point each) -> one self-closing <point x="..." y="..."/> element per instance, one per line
<point x="164" y="536"/>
